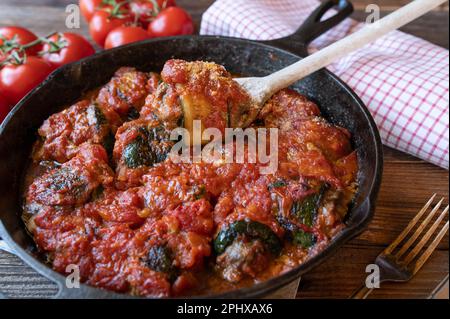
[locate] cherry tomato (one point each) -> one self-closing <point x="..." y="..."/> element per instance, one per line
<point x="5" y="107"/>
<point x="23" y="36"/>
<point x="144" y="10"/>
<point x="88" y="8"/>
<point x="166" y="3"/>
<point x="74" y="48"/>
<point x="171" y="21"/>
<point x="17" y="80"/>
<point x="102" y="24"/>
<point x="124" y="35"/>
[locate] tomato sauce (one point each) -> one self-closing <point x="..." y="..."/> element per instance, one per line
<point x="103" y="194"/>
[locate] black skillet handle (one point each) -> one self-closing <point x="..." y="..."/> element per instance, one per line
<point x="313" y="27"/>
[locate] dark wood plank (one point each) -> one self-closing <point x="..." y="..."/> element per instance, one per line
<point x="406" y="187"/>
<point x="345" y="272"/>
<point x="20" y="281"/>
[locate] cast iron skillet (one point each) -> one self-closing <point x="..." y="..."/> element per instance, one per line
<point x="338" y="102"/>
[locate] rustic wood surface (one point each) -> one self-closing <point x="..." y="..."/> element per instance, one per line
<point x="407" y="182"/>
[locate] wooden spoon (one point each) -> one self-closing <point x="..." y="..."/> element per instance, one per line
<point x="261" y="89"/>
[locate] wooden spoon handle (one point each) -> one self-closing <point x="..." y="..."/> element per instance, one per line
<point x="357" y="40"/>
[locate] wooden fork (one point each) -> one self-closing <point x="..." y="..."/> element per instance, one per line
<point x="394" y="265"/>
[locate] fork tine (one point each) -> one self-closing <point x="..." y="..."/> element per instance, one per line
<point x="419" y="230"/>
<point x="415" y="251"/>
<point x="408" y="228"/>
<point x="430" y="249"/>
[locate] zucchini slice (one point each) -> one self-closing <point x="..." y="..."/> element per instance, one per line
<point x="195" y="108"/>
<point x="252" y="230"/>
<point x="306" y="210"/>
<point x="96" y="115"/>
<point x="277" y="184"/>
<point x="147" y="149"/>
<point x="304" y="239"/>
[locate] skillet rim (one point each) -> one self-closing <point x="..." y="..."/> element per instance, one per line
<point x="259" y="289"/>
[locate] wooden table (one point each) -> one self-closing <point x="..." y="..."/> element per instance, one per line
<point x="407" y="182"/>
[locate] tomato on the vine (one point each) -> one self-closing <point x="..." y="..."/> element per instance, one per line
<point x="89" y="7"/>
<point x="15" y="36"/>
<point x="16" y="80"/>
<point x="171" y="21"/>
<point x="145" y="11"/>
<point x="103" y="22"/>
<point x="65" y="48"/>
<point x="5" y="107"/>
<point x="124" y="35"/>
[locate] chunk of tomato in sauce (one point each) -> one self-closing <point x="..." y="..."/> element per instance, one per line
<point x="127" y="91"/>
<point x="189" y="249"/>
<point x="119" y="206"/>
<point x="74" y="181"/>
<point x="146" y="282"/>
<point x="63" y="133"/>
<point x="287" y="109"/>
<point x="195" y="216"/>
<point x="164" y="189"/>
<point x="66" y="236"/>
<point x="333" y="141"/>
<point x="164" y="105"/>
<point x="110" y="252"/>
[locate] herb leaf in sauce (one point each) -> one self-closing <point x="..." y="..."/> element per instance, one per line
<point x="277" y="184"/>
<point x="199" y="192"/>
<point x="132" y="114"/>
<point x="160" y="259"/>
<point x="304" y="239"/>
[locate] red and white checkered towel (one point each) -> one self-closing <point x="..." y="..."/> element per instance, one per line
<point x="403" y="80"/>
